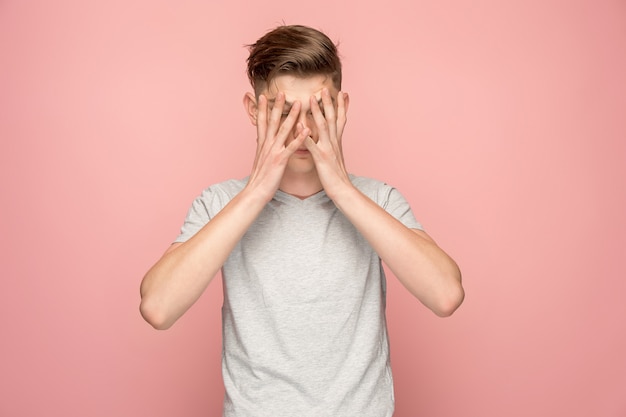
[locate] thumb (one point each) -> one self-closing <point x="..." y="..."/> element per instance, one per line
<point x="303" y="134"/>
<point x="311" y="146"/>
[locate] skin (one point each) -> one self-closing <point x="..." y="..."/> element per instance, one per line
<point x="299" y="124"/>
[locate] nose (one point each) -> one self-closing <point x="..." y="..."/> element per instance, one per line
<point x="302" y="118"/>
<point x="303" y="121"/>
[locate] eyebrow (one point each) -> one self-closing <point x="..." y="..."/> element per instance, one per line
<point x="288" y="104"/>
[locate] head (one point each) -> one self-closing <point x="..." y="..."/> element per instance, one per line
<point x="296" y="50"/>
<point x="299" y="62"/>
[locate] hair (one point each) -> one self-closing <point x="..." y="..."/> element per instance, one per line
<point x="298" y="50"/>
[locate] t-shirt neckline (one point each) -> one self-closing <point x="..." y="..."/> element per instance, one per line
<point x="286" y="197"/>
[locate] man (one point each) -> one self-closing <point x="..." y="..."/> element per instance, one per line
<point x="300" y="243"/>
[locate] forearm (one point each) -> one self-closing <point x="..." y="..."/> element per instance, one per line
<point x="182" y="274"/>
<point x="414" y="258"/>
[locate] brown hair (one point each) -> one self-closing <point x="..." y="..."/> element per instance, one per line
<point x="298" y="50"/>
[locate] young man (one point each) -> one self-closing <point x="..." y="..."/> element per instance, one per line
<point x="300" y="243"/>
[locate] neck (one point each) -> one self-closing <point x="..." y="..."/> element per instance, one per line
<point x="301" y="185"/>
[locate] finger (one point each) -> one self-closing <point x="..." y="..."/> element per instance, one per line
<point x="329" y="112"/>
<point x="288" y="124"/>
<point x="319" y="118"/>
<point x="275" y="115"/>
<point x="329" y="105"/>
<point x="341" y="113"/>
<point x="299" y="128"/>
<point x="261" y="119"/>
<point x="312" y="147"/>
<point x="303" y="134"/>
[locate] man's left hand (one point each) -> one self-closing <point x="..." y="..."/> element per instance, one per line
<point x="327" y="152"/>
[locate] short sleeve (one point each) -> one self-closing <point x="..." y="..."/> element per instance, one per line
<point x="202" y="210"/>
<point x="395" y="204"/>
<point x="197" y="217"/>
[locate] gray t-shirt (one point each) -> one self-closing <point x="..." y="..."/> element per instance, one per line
<point x="304" y="330"/>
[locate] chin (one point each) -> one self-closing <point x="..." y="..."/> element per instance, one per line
<point x="301" y="166"/>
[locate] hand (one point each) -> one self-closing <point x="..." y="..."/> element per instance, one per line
<point x="327" y="152"/>
<point x="272" y="154"/>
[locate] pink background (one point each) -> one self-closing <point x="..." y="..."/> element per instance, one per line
<point x="503" y="123"/>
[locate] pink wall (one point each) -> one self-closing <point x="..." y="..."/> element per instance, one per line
<point x="504" y="124"/>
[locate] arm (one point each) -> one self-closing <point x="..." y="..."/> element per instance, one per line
<point x="182" y="274"/>
<point x="416" y="260"/>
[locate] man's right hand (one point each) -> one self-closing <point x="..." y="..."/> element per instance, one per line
<point x="178" y="279"/>
<point x="272" y="155"/>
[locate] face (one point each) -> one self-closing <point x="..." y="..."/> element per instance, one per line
<point x="301" y="89"/>
<point x="297" y="89"/>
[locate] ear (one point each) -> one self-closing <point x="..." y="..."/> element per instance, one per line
<point x="250" y="105"/>
<point x="346" y="100"/>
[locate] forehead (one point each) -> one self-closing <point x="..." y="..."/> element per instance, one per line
<point x="299" y="88"/>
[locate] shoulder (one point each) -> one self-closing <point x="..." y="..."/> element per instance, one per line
<point x="389" y="198"/>
<point x="216" y="196"/>
<point x="230" y="187"/>
<point x="377" y="190"/>
<point x="366" y="183"/>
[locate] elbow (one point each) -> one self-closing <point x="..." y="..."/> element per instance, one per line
<point x="152" y="308"/>
<point x="450" y="302"/>
<point x="154" y="315"/>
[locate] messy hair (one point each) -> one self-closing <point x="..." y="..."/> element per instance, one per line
<point x="298" y="50"/>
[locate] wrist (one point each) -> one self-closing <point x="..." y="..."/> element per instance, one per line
<point x="343" y="194"/>
<point x="255" y="196"/>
